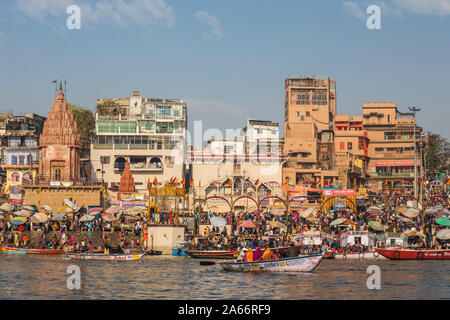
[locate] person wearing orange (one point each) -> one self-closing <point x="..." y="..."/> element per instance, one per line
<point x="267" y="255"/>
<point x="249" y="255"/>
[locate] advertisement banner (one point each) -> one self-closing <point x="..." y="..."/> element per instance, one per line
<point x="339" y="193"/>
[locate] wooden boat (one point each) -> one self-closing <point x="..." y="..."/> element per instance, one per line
<point x="414" y="254"/>
<point x="295" y="264"/>
<point x="101" y="256"/>
<point x="373" y="255"/>
<point x="45" y="251"/>
<point x="212" y="254"/>
<point x="9" y="250"/>
<point x="178" y="252"/>
<point x="329" y="255"/>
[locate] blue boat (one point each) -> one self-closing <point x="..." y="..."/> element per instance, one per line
<point x="9" y="250"/>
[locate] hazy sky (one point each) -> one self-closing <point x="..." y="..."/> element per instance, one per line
<point x="228" y="59"/>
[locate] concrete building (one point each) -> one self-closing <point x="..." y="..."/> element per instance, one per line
<point x="351" y="150"/>
<point x="391" y="146"/>
<point x="247" y="165"/>
<point x="309" y="115"/>
<point x="148" y="133"/>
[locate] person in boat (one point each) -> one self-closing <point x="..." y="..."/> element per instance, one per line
<point x="257" y="254"/>
<point x="242" y="253"/>
<point x="292" y="251"/>
<point x="249" y="255"/>
<point x="267" y="255"/>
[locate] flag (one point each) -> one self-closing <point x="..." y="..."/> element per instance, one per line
<point x="256" y="182"/>
<point x="385" y="182"/>
<point x="354" y="181"/>
<point x="191" y="182"/>
<point x="421" y="181"/>
<point x="54" y="81"/>
<point x="448" y="181"/>
<point x="229" y="183"/>
<point x="148" y="183"/>
<point x="199" y="183"/>
<point x="319" y="184"/>
<point x="174" y="181"/>
<point x="183" y="182"/>
<point x="155" y="182"/>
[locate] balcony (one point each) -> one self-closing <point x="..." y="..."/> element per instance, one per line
<point x="408" y="174"/>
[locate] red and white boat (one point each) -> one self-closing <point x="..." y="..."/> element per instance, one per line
<point x="373" y="255"/>
<point x="414" y="254"/>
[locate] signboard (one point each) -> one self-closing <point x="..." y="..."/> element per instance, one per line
<point x="339" y="193"/>
<point x="396" y="163"/>
<point x="55" y="183"/>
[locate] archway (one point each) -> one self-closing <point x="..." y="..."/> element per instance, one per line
<point x="119" y="163"/>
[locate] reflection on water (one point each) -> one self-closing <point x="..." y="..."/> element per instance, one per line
<point x="161" y="277"/>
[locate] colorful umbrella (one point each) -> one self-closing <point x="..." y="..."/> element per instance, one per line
<point x="95" y="210"/>
<point x="59" y="216"/>
<point x="23" y="213"/>
<point x="338" y="221"/>
<point x="307" y="212"/>
<point x="414" y="233"/>
<point x="87" y="218"/>
<point x="277" y="224"/>
<point x="374" y="210"/>
<point x="247" y="224"/>
<point x="39" y="217"/>
<point x="18" y="220"/>
<point x="108" y="217"/>
<point x="434" y="210"/>
<point x="411" y="213"/>
<point x="277" y="212"/>
<point x="5" y="207"/>
<point x="443" y="221"/>
<point x="339" y="205"/>
<point x="47" y="208"/>
<point x="443" y="234"/>
<point x="375" y="225"/>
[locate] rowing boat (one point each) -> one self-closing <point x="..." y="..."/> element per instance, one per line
<point x="411" y="254"/>
<point x="295" y="264"/>
<point x="9" y="250"/>
<point x="45" y="251"/>
<point x="101" y="256"/>
<point x="212" y="254"/>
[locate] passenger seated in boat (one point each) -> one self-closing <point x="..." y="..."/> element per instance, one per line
<point x="292" y="251"/>
<point x="241" y="256"/>
<point x="275" y="255"/>
<point x="249" y="255"/>
<point x="267" y="255"/>
<point x="257" y="254"/>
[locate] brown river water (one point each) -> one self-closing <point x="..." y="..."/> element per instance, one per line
<point x="167" y="277"/>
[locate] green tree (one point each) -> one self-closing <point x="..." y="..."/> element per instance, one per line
<point x="85" y="120"/>
<point x="437" y="153"/>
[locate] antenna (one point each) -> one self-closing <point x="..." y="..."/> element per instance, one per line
<point x="65" y="88"/>
<point x="56" y="87"/>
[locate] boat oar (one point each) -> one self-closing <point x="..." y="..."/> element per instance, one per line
<point x="207" y="263"/>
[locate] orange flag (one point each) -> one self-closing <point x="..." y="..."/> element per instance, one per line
<point x="229" y="183"/>
<point x="155" y="182"/>
<point x="385" y="182"/>
<point x="175" y="182"/>
<point x="191" y="182"/>
<point x="256" y="182"/>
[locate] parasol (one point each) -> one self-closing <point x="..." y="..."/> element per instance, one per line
<point x="5" y="207"/>
<point x="307" y="212"/>
<point x="93" y="211"/>
<point x="442" y="221"/>
<point x="218" y="221"/>
<point x="374" y="210"/>
<point x="59" y="216"/>
<point x="401" y="209"/>
<point x="87" y="218"/>
<point x="339" y="205"/>
<point x="406" y="220"/>
<point x="113" y="209"/>
<point x="108" y="217"/>
<point x="47" y="208"/>
<point x="414" y="233"/>
<point x="39" y="217"/>
<point x="411" y="213"/>
<point x="276" y="224"/>
<point x="375" y="225"/>
<point x="18" y="220"/>
<point x="277" y="212"/>
<point x="247" y="224"/>
<point x="434" y="210"/>
<point x="23" y="213"/>
<point x="338" y="221"/>
<point x="443" y="234"/>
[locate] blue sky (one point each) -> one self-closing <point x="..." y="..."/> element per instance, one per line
<point x="227" y="59"/>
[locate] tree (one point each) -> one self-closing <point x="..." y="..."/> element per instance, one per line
<point x="86" y="125"/>
<point x="437" y="153"/>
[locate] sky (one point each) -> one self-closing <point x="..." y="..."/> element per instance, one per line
<point x="227" y="59"/>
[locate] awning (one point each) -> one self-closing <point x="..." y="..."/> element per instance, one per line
<point x="218" y="221"/>
<point x="247" y="224"/>
<point x="375" y="225"/>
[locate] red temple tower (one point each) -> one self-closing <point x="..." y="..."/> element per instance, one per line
<point x="127" y="180"/>
<point x="59" y="144"/>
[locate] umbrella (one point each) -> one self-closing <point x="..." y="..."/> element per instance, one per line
<point x="375" y="225"/>
<point x="443" y="221"/>
<point x="108" y="217"/>
<point x="93" y="211"/>
<point x="23" y="213"/>
<point x="47" y="208"/>
<point x="407" y="220"/>
<point x="18" y="220"/>
<point x="339" y="205"/>
<point x="63" y="209"/>
<point x="276" y="224"/>
<point x="39" y="217"/>
<point x="401" y="209"/>
<point x="411" y="213"/>
<point x="374" y="210"/>
<point x="29" y="208"/>
<point x="443" y="234"/>
<point x="277" y="212"/>
<point x="218" y="221"/>
<point x="434" y="210"/>
<point x="87" y="218"/>
<point x="113" y="209"/>
<point x="68" y="203"/>
<point x="338" y="221"/>
<point x="414" y="233"/>
<point x="247" y="224"/>
<point x="5" y="207"/>
<point x="307" y="212"/>
<point x="59" y="216"/>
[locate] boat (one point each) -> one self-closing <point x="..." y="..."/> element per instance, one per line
<point x="212" y="254"/>
<point x="296" y="264"/>
<point x="414" y="254"/>
<point x="360" y="255"/>
<point x="9" y="250"/>
<point x="101" y="256"/>
<point x="45" y="251"/>
<point x="329" y="255"/>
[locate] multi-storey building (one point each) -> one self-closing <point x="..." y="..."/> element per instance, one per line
<point x="309" y="114"/>
<point x="148" y="133"/>
<point x="19" y="149"/>
<point x="391" y="146"/>
<point x="351" y="150"/>
<point x="246" y="165"/>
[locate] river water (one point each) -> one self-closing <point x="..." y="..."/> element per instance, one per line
<point x="167" y="277"/>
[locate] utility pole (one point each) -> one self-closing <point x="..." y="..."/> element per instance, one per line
<point x="414" y="110"/>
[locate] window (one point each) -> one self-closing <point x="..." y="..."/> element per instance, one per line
<point x="349" y="146"/>
<point x="297" y="114"/>
<point x="176" y="113"/>
<point x="342" y="145"/>
<point x="58" y="174"/>
<point x="361" y="143"/>
<point x="379" y="149"/>
<point x="13" y="160"/>
<point x="302" y="118"/>
<point x="308" y="114"/>
<point x="159" y="145"/>
<point x="21" y="160"/>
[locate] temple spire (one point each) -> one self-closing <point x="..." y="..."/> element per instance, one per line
<point x="127" y="180"/>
